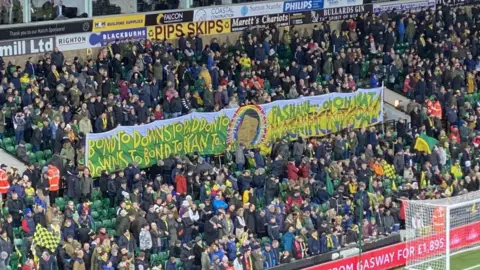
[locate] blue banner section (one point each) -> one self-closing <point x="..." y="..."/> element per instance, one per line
<point x="121" y="36"/>
<point x="299" y="6"/>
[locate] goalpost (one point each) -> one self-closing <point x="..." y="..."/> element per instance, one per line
<point x="436" y="230"/>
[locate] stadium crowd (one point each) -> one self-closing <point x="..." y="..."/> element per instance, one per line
<point x="262" y="207"/>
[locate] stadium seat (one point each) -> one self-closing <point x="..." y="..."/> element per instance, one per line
<point x="97" y="204"/>
<point x="17" y="232"/>
<point x="96" y="195"/>
<point x="163" y="256"/>
<point x="5" y="211"/>
<point x="95" y="215"/>
<point x="114" y="222"/>
<point x="40" y="155"/>
<point x="18" y="242"/>
<point x="103" y="213"/>
<point x="107" y="223"/>
<point x="106" y="203"/>
<point x="112" y="232"/>
<point x="7" y="141"/>
<point x="98" y="225"/>
<point x="112" y="212"/>
<point x="10" y="149"/>
<point x="32" y="157"/>
<point x="154" y="259"/>
<point x="42" y="162"/>
<point x="48" y="153"/>
<point x="28" y="147"/>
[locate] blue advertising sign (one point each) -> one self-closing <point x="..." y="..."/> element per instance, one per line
<point x="121" y="36"/>
<point x="300" y="6"/>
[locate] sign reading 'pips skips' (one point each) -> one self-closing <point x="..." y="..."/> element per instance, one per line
<point x="240" y="24"/>
<point x="172" y="31"/>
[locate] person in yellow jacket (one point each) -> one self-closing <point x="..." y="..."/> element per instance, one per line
<point x="245" y="61"/>
<point x="247" y="196"/>
<point x="456" y="170"/>
<point x="471" y="85"/>
<point x="206" y="76"/>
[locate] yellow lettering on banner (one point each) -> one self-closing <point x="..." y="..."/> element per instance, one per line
<point x="173" y="31"/>
<point x="118" y="23"/>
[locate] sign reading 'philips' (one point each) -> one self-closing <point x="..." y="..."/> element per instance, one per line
<point x="296" y="6"/>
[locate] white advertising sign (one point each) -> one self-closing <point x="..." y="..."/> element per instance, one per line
<point x="228" y="12"/>
<point x="408" y="5"/>
<point x="76" y="41"/>
<point x="341" y="3"/>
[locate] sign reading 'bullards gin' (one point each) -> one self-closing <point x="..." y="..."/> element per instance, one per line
<point x="340" y="13"/>
<point x="240" y="24"/>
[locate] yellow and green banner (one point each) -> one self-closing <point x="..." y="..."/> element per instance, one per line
<point x="213" y="133"/>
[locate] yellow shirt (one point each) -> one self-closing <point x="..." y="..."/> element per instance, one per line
<point x="30" y="192"/>
<point x="245" y="62"/>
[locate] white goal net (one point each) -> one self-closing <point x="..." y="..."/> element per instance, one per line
<point x="437" y="230"/>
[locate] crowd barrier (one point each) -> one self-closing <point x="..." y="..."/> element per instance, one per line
<point x="397" y="255"/>
<point x="321" y="261"/>
<point x="87" y="33"/>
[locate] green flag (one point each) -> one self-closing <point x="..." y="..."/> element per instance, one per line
<point x="425" y="143"/>
<point x="329" y="183"/>
<point x="370" y="186"/>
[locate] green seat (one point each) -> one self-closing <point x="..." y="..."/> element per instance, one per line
<point x="265" y="240"/>
<point x="111" y="232"/>
<point x="163" y="256"/>
<point x="97" y="205"/>
<point x="95" y="215"/>
<point x="10" y="149"/>
<point x="32" y="157"/>
<point x="17" y="231"/>
<point x="18" y="242"/>
<point x="40" y="155"/>
<point x="98" y="225"/>
<point x="154" y="259"/>
<point x="28" y="147"/>
<point x="7" y="141"/>
<point x="60" y="202"/>
<point x="103" y="213"/>
<point x="106" y="202"/>
<point x="112" y="212"/>
<point x="114" y="222"/>
<point x="96" y="195"/>
<point x="107" y="223"/>
<point x="42" y="162"/>
<point x="48" y="153"/>
<point x="5" y="211"/>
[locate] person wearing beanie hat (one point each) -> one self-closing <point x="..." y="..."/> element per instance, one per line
<point x="271" y="259"/>
<point x="258" y="257"/>
<point x="28" y="224"/>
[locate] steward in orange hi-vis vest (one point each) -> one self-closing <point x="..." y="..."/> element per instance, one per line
<point x="4" y="184"/>
<point x="438" y="219"/>
<point x="53" y="178"/>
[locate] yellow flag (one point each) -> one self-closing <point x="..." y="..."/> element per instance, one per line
<point x="394" y="185"/>
<point x="423" y="180"/>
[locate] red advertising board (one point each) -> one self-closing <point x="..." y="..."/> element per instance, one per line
<point x="397" y="255"/>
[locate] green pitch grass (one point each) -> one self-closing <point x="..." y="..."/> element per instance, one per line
<point x="469" y="260"/>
